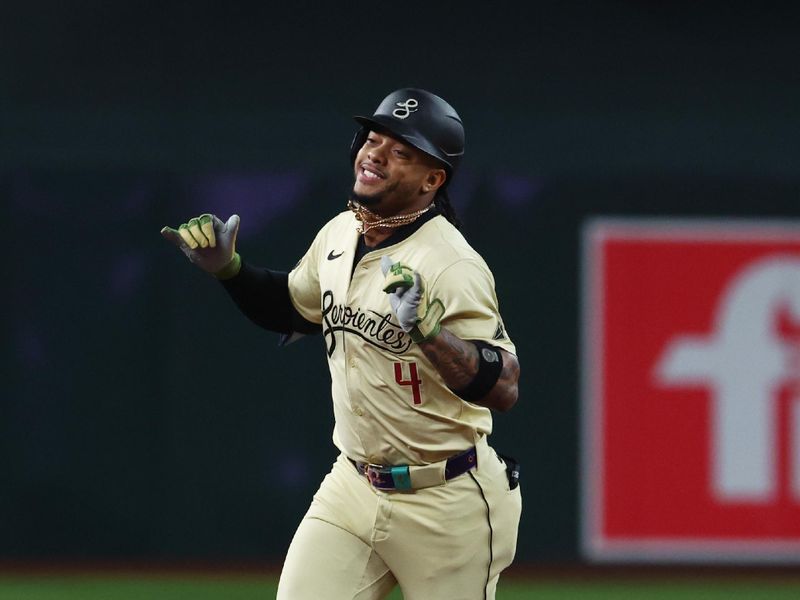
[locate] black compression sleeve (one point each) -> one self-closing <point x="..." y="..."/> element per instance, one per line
<point x="263" y="296"/>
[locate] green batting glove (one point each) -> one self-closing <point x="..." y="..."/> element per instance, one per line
<point x="397" y="275"/>
<point x="209" y="243"/>
<point x="416" y="315"/>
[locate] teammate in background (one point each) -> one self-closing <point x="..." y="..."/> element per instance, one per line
<point x="418" y="355"/>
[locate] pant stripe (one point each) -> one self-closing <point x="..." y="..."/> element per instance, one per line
<point x="491" y="534"/>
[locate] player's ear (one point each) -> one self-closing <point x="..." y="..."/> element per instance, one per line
<point x="434" y="180"/>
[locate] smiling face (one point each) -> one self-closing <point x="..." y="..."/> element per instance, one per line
<point x="392" y="177"/>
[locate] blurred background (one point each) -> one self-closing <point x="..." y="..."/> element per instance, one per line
<point x="142" y="417"/>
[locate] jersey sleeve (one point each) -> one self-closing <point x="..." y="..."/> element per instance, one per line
<point x="466" y="289"/>
<point x="304" y="288"/>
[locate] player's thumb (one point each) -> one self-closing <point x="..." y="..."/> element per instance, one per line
<point x="228" y="231"/>
<point x="418" y="288"/>
<point x="232" y="227"/>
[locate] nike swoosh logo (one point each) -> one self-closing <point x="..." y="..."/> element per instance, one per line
<point x="332" y="256"/>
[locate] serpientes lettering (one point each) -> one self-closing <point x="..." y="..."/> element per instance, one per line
<point x="372" y="327"/>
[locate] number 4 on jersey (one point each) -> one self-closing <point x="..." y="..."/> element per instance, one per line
<point x="414" y="381"/>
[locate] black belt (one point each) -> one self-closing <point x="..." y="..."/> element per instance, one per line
<point x="398" y="477"/>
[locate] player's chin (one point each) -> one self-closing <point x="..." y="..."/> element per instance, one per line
<point x="371" y="198"/>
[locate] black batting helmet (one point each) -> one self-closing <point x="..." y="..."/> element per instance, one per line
<point x="421" y="119"/>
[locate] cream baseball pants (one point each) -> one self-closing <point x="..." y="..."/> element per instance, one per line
<point x="448" y="542"/>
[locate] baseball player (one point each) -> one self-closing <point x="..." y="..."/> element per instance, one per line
<point x="418" y="357"/>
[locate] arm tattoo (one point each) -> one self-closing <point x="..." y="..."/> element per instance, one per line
<point x="457" y="362"/>
<point x="455" y="359"/>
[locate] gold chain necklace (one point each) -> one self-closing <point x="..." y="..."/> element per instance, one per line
<point x="369" y="220"/>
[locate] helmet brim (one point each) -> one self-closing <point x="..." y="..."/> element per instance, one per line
<point x="406" y="133"/>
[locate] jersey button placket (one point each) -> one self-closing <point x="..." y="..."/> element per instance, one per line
<point x="357" y="410"/>
<point x="353" y="367"/>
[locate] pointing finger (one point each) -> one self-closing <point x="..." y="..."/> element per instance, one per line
<point x="173" y="236"/>
<point x="386" y="264"/>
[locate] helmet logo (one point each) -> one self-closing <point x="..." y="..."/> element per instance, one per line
<point x="405" y="108"/>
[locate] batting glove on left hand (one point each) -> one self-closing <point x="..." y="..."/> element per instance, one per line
<point x="407" y="296"/>
<point x="209" y="243"/>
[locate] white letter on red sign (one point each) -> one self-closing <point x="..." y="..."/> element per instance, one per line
<point x="744" y="362"/>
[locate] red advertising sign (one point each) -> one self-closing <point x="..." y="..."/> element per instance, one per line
<point x="691" y="390"/>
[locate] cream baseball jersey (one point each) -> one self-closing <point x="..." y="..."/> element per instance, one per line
<point x="390" y="404"/>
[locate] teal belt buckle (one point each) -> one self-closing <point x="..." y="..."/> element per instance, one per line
<point x="401" y="477"/>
